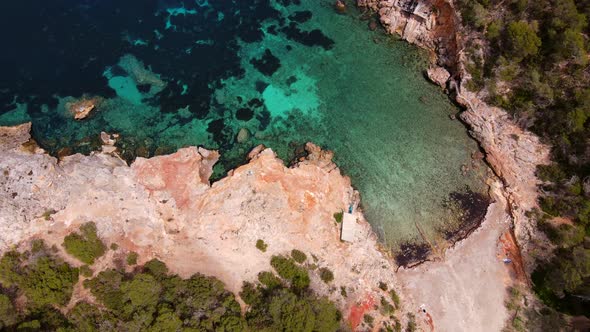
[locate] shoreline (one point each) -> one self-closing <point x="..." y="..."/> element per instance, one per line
<point x="510" y="152"/>
<point x="166" y="208"/>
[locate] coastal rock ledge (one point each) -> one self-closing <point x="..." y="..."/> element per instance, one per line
<point x="166" y="208"/>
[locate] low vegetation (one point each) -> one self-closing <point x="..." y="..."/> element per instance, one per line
<point x="394" y="298"/>
<point x="45" y="281"/>
<point x="298" y="256"/>
<point x="288" y="269"/>
<point x="272" y="306"/>
<point x="326" y="275"/>
<point x="86" y="245"/>
<point x="260" y="245"/>
<point x="131" y="258"/>
<point x="152" y="299"/>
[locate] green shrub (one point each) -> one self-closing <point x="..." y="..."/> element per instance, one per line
<point x="149" y="299"/>
<point x="338" y="216"/>
<point x="289" y="270"/>
<point x="156" y="268"/>
<point x="10" y="270"/>
<point x="326" y="275"/>
<point x="394" y="298"/>
<point x="7" y="312"/>
<point x="269" y="280"/>
<point x="386" y="307"/>
<point x="86" y="271"/>
<point x="298" y="256"/>
<point x="114" y="246"/>
<point x="368" y="319"/>
<point x="132" y="258"/>
<point x="493" y="31"/>
<point x="86" y="245"/>
<point x="411" y="323"/>
<point x="261" y="245"/>
<point x="382" y="286"/>
<point x="37" y="246"/>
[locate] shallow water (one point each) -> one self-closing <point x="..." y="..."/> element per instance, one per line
<point x="216" y="68"/>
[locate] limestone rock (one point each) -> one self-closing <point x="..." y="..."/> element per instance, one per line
<point x="107" y="139"/>
<point x="438" y="75"/>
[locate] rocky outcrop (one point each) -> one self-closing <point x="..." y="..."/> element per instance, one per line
<point x="438" y="75"/>
<point x="432" y="27"/>
<point x="512" y="153"/>
<point x="165" y="207"/>
<point x="81" y="108"/>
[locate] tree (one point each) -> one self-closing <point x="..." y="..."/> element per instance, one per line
<point x="7" y="312"/>
<point x="522" y="40"/>
<point x="49" y="282"/>
<point x="572" y="47"/>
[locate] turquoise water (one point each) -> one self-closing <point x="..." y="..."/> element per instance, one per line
<point x="364" y="97"/>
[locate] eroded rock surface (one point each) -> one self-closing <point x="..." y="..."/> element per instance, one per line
<point x="165" y="207"/>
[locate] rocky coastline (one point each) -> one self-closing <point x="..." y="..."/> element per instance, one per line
<point x="165" y="207"/>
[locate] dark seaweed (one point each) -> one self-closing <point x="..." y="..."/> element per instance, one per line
<point x="412" y="253"/>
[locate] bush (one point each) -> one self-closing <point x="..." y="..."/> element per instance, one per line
<point x="269" y="280"/>
<point x="132" y="258"/>
<point x="86" y="246"/>
<point x="261" y="245"/>
<point x="386" y="307"/>
<point x="7" y="310"/>
<point x="368" y="319"/>
<point x="298" y="256"/>
<point x="411" y="323"/>
<point x="156" y="268"/>
<point x="338" y="216"/>
<point x="289" y="270"/>
<point x="281" y="309"/>
<point x="326" y="275"/>
<point x="394" y="298"/>
<point x="86" y="271"/>
<point x="151" y="300"/>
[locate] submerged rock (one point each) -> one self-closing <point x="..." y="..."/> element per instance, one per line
<point x="340" y="7"/>
<point x="243" y="136"/>
<point x="81" y="108"/>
